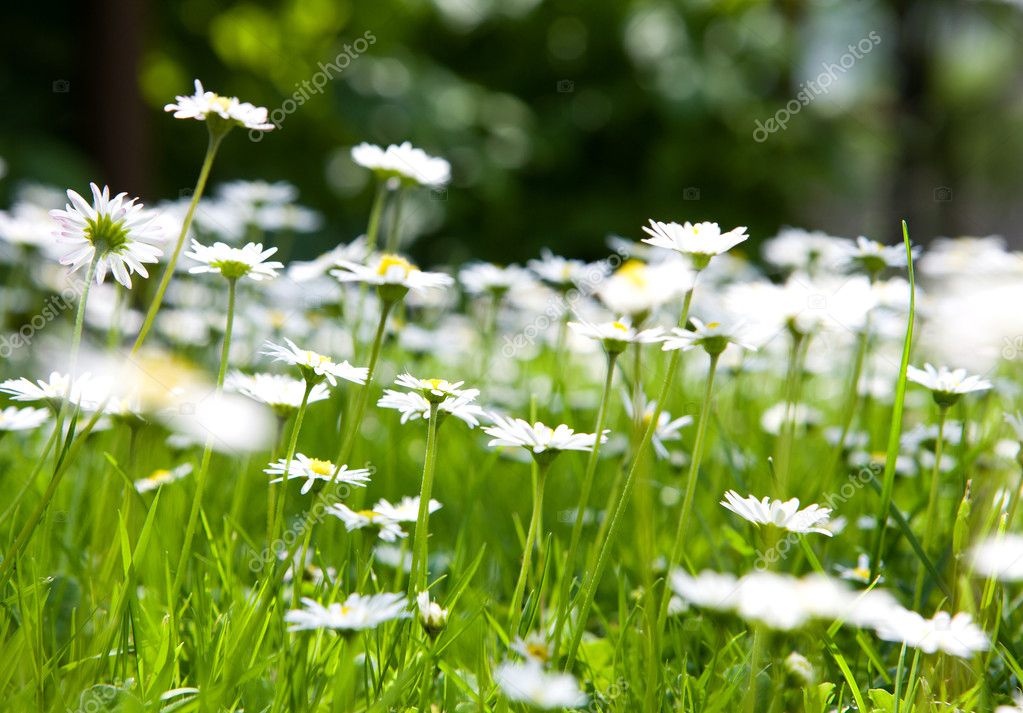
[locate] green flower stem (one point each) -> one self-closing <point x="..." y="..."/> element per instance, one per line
<point x="360" y="405"/>
<point x="930" y="531"/>
<point x="797" y="354"/>
<point x="420" y="549"/>
<point x="515" y="617"/>
<point x="393" y="240"/>
<point x="1014" y="499"/>
<point x="750" y="698"/>
<point x="852" y="399"/>
<point x="207" y="454"/>
<point x="374" y="216"/>
<point x="590" y="588"/>
<point x="584" y="500"/>
<point x="168" y="272"/>
<point x="292" y="444"/>
<point x="653" y="670"/>
<point x="76" y="337"/>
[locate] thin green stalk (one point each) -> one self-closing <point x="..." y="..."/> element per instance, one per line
<point x="292" y="445"/>
<point x="852" y="399"/>
<point x="584" y="501"/>
<point x="393" y="240"/>
<point x="895" y="431"/>
<point x="515" y="615"/>
<point x="420" y="548"/>
<point x="374" y="216"/>
<point x="653" y="671"/>
<point x="168" y="272"/>
<point x="590" y="588"/>
<point x="363" y="397"/>
<point x="750" y="699"/>
<point x="207" y="454"/>
<point x="76" y="337"/>
<point x="930" y="533"/>
<point x="800" y="343"/>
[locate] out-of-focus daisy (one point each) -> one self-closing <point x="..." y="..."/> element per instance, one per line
<point x="956" y="635"/>
<point x="405" y="510"/>
<point x="528" y="683"/>
<point x="564" y="273"/>
<point x="667" y="428"/>
<point x="636" y="289"/>
<point x="486" y="278"/>
<point x="1000" y="557"/>
<point x="799" y="415"/>
<point x="204" y="105"/>
<point x="803" y="250"/>
<point x="115" y="232"/>
<point x="538" y="439"/>
<point x="860" y="573"/>
<point x="13" y="418"/>
<point x="393" y="276"/>
<point x="355" y="251"/>
<point x="281" y="393"/>
<point x="713" y="337"/>
<point x="616" y="336"/>
<point x="533" y="648"/>
<point x="234" y="263"/>
<point x="413" y="406"/>
<point x="161" y="477"/>
<point x="1016" y="708"/>
<point x="873" y="257"/>
<point x="315" y="367"/>
<point x="700" y="241"/>
<point x="358" y="612"/>
<point x="389" y="530"/>
<point x="783" y="514"/>
<point x="404" y="162"/>
<point x="313" y="469"/>
<point x="946" y="385"/>
<point x="432" y="616"/>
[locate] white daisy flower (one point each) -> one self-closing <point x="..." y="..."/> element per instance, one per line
<point x="616" y="336"/>
<point x="785" y="515"/>
<point x="999" y="557"/>
<point x="431" y="389"/>
<point x="486" y="278"/>
<point x="115" y="228"/>
<point x="565" y="273"/>
<point x="946" y="385"/>
<point x="701" y="241"/>
<point x="234" y="263"/>
<point x="315" y="366"/>
<point x="529" y="683"/>
<point x="389" y="530"/>
<point x="358" y="612"/>
<point x="204" y="105"/>
<point x="53" y="390"/>
<point x="281" y="393"/>
<point x="873" y="257"/>
<point x="956" y="635"/>
<point x="305" y="271"/>
<point x="161" y="477"/>
<point x="13" y="418"/>
<point x="406" y="509"/>
<point x="860" y="573"/>
<point x="713" y="337"/>
<point x="413" y="406"/>
<point x="799" y="415"/>
<point x="798" y="249"/>
<point x="313" y="469"/>
<point x="533" y="648"/>
<point x="538" y="438"/>
<point x="637" y="289"/>
<point x="393" y="275"/>
<point x="410" y="165"/>
<point x="27" y="225"/>
<point x="432" y="616"/>
<point x="800" y="667"/>
<point x="1016" y="708"/>
<point x="667" y="428"/>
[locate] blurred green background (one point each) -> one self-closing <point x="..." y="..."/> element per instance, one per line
<point x="564" y="120"/>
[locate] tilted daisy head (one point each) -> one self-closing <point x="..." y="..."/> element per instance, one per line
<point x="314" y="469"/>
<point x="315" y="367"/>
<point x="784" y="514"/>
<point x="700" y="241"/>
<point x="542" y="441"/>
<point x="220" y="113"/>
<point x="616" y="336"/>
<point x="115" y="232"/>
<point x="405" y="163"/>
<point x="393" y="276"/>
<point x="358" y="612"/>
<point x="433" y="390"/>
<point x="413" y="406"/>
<point x="281" y="393"/>
<point x="712" y="336"/>
<point x="234" y="263"/>
<point x="946" y="385"/>
<point x="873" y="257"/>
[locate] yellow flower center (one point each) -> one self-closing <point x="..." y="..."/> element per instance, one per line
<point x="368" y="514"/>
<point x="713" y="325"/>
<point x="388" y="261"/>
<point x="634" y="271"/>
<point x="862" y="572"/>
<point x="345" y="610"/>
<point x="158" y="474"/>
<point x="619" y="326"/>
<point x="321" y="467"/>
<point x="223" y="102"/>
<point x="435" y="383"/>
<point x="314" y="359"/>
<point x="538" y="651"/>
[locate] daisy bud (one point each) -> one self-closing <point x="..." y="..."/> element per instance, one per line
<point x="431" y="615"/>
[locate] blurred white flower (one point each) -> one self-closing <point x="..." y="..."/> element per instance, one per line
<point x="956" y="635"/>
<point x="388" y="529"/>
<point x="161" y="477"/>
<point x="946" y="385"/>
<point x="404" y="162"/>
<point x="313" y="365"/>
<point x="358" y="612"/>
<point x="529" y="683"/>
<point x="406" y="510"/>
<point x="999" y="557"/>
<point x="281" y="393"/>
<point x="13" y="418"/>
<point x="388" y="270"/>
